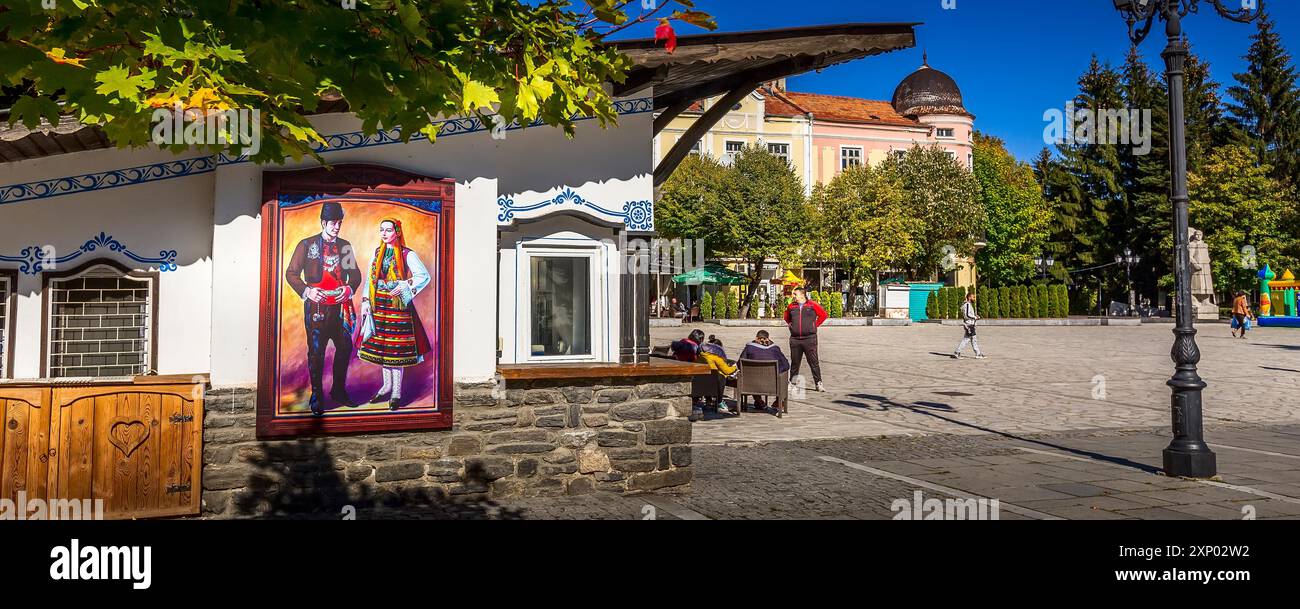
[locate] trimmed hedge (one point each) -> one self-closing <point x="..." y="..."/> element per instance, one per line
<point x="932" y="305"/>
<point x="706" y="306"/>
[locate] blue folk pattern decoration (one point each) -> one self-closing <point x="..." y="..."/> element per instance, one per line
<point x="289" y="201"/>
<point x="33" y="259"/>
<point x="635" y="215"/>
<point x="45" y="189"/>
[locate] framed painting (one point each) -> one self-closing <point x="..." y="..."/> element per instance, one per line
<point x="356" y="302"/>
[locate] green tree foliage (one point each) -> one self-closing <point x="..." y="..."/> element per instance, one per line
<point x="1044" y="302"/>
<point x="863" y="219"/>
<point x="395" y="62"/>
<point x="733" y="304"/>
<point x="942" y="303"/>
<point x="944" y="196"/>
<point x="691" y="203"/>
<point x="989" y="296"/>
<point x="1032" y="295"/>
<point x="1063" y="300"/>
<point x="706" y="306"/>
<point x="956" y="296"/>
<point x="932" y="306"/>
<point x="764" y="214"/>
<point x="1266" y="103"/>
<point x="1018" y="217"/>
<point x="1004" y="302"/>
<point x="1237" y="205"/>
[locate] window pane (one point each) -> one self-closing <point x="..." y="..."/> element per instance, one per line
<point x="561" y="289"/>
<point x="98" y="325"/>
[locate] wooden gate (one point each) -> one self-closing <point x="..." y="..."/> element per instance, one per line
<point x="136" y="446"/>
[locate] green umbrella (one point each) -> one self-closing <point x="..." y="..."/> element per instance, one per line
<point x="712" y="274"/>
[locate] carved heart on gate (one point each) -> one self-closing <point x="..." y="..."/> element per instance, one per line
<point x="127" y="434"/>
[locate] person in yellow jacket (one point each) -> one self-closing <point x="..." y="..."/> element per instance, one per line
<point x="713" y="354"/>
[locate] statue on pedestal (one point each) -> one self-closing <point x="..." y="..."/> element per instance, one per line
<point x="1204" y="304"/>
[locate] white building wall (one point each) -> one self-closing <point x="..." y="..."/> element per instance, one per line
<point x="145" y="219"/>
<point x="209" y="306"/>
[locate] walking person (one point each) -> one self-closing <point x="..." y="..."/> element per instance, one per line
<point x="803" y="318"/>
<point x="968" y="318"/>
<point x="1241" y="315"/>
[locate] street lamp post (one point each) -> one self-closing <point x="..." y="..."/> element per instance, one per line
<point x="1129" y="260"/>
<point x="1187" y="455"/>
<point x="1044" y="265"/>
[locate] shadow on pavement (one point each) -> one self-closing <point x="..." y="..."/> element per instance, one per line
<point x="928" y="408"/>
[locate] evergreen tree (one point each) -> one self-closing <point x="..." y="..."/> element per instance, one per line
<point x="932" y="306"/>
<point x="1004" y="302"/>
<point x="1267" y="103"/>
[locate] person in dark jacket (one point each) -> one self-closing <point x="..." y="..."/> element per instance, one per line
<point x="804" y="317"/>
<point x="763" y="349"/>
<point x="688" y="349"/>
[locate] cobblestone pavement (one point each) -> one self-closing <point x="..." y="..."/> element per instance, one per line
<point x="1064" y="423"/>
<point x="903" y="381"/>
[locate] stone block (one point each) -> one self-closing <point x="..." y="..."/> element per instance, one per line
<point x="647" y="410"/>
<point x="526" y="468"/>
<point x="668" y="431"/>
<point x="595" y="420"/>
<point x="577" y="395"/>
<point x="659" y="480"/>
<point x="613" y="396"/>
<point x="527" y="448"/>
<point x="616" y="439"/>
<point x="357" y="473"/>
<point x="519" y="435"/>
<point x="592" y="461"/>
<point x="543" y="396"/>
<point x="464" y="445"/>
<point x="225" y="478"/>
<point x="553" y="421"/>
<point x="575" y="416"/>
<point x="381" y="450"/>
<point x="576" y="439"/>
<point x="428" y="453"/>
<point x="663" y="390"/>
<point x="399" y="470"/>
<point x="556" y="469"/>
<point x="488" y="468"/>
<point x="610" y="476"/>
<point x="445" y="470"/>
<point x="680" y="456"/>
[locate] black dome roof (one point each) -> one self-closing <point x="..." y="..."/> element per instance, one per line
<point x="928" y="91"/>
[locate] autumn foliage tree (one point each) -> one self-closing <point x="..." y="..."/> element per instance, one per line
<point x="396" y="63"/>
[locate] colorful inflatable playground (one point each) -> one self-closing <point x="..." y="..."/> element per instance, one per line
<point x="1277" y="300"/>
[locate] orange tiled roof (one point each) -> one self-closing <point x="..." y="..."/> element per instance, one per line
<point x="835" y="108"/>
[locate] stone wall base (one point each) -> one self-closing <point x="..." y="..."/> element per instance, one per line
<point x="526" y="438"/>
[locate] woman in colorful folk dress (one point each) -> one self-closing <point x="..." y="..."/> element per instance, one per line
<point x="393" y="336"/>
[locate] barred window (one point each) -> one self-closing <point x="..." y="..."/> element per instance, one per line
<point x="850" y="157"/>
<point x="99" y="324"/>
<point x="781" y="150"/>
<point x="6" y="291"/>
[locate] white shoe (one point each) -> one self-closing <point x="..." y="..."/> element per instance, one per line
<point x="956" y="356"/>
<point x="724" y="410"/>
<point x="980" y="356"/>
<point x="821" y="387"/>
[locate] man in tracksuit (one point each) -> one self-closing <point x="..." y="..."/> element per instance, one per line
<point x="968" y="318"/>
<point x="804" y="317"/>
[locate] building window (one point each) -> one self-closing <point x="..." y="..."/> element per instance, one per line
<point x="952" y="155"/>
<point x="100" y="323"/>
<point x="696" y="148"/>
<point x="850" y="157"/>
<point x="561" y="306"/>
<point x="6" y="292"/>
<point x="781" y="150"/>
<point x="732" y="149"/>
<point x="898" y="154"/>
<point x="944" y="133"/>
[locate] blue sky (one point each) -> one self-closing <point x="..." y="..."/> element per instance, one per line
<point x="1013" y="59"/>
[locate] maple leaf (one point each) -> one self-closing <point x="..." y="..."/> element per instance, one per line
<point x="666" y="32"/>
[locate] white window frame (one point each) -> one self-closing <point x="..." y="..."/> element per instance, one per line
<point x="697" y="148"/>
<point x="599" y="298"/>
<point x="861" y="158"/>
<point x="729" y="156"/>
<point x="789" y="150"/>
<point x="8" y="298"/>
<point x="952" y="133"/>
<point x="150" y="345"/>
